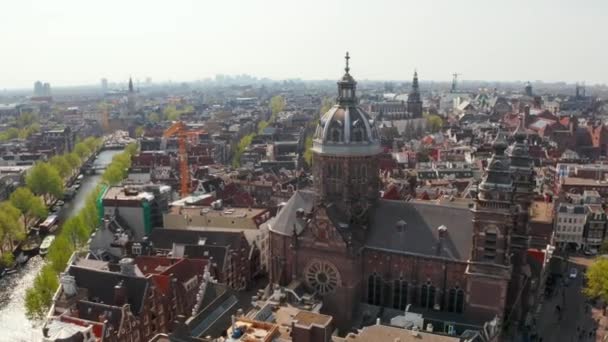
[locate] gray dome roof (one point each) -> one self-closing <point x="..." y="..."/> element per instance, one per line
<point x="346" y="130"/>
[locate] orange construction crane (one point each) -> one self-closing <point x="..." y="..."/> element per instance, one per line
<point x="180" y="130"/>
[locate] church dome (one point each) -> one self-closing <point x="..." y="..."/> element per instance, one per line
<point x="346" y="129"/>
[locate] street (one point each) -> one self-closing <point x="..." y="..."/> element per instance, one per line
<point x="578" y="318"/>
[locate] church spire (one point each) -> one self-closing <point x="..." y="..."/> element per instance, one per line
<point x="415" y="82"/>
<point x="130" y="85"/>
<point x="347" y="85"/>
<point x="414" y="102"/>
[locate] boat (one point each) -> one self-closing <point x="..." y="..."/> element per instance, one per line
<point x="49" y="225"/>
<point x="46" y="243"/>
<point x="31" y="245"/>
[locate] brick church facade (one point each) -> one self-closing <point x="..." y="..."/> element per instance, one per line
<point x="348" y="246"/>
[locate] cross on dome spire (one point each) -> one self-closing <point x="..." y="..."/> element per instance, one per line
<point x="347" y="57"/>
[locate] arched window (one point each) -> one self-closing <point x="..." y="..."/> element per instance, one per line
<point x="336" y="134"/>
<point x="363" y="171"/>
<point x="490" y="241"/>
<point x="374" y="289"/>
<point x="459" y="300"/>
<point x="451" y="300"/>
<point x="427" y="295"/>
<point x="400" y="292"/>
<point x="414" y="294"/>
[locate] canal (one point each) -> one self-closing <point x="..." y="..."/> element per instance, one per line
<point x="14" y="326"/>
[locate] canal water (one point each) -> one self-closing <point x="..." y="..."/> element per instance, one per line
<point x="14" y="326"/>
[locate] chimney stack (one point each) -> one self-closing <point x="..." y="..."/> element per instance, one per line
<point x="120" y="294"/>
<point x="127" y="267"/>
<point x="441" y="234"/>
<point x="68" y="284"/>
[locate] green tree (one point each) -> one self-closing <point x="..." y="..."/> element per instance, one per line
<point x="38" y="299"/>
<point x="45" y="181"/>
<point x="82" y="151"/>
<point x="10" y="230"/>
<point x="434" y="122"/>
<point x="60" y="252"/>
<point x="326" y="104"/>
<point x="61" y="165"/>
<point x="91" y="143"/>
<point x="604" y="247"/>
<point x="29" y="205"/>
<point x="75" y="230"/>
<point x="308" y="151"/>
<point x="171" y="113"/>
<point x="11" y="133"/>
<point x="277" y="105"/>
<point x="7" y="259"/>
<point x="139" y="131"/>
<point x="72" y="159"/>
<point x="597" y="279"/>
<point x="154" y="117"/>
<point x="262" y="126"/>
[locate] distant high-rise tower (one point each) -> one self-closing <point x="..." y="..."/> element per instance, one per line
<point x="38" y="90"/>
<point x="104" y="85"/>
<point x="131" y="98"/>
<point x="46" y="89"/>
<point x="528" y="89"/>
<point x="414" y="103"/>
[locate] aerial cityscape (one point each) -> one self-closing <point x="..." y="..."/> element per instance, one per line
<point x="265" y="191"/>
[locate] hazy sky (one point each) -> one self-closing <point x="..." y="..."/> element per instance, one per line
<point x="68" y="42"/>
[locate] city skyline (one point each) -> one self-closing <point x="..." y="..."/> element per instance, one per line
<point x="70" y="43"/>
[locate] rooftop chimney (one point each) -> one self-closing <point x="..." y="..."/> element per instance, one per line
<point x="400" y="226"/>
<point x="68" y="283"/>
<point x="127" y="267"/>
<point x="120" y="294"/>
<point x="441" y="234"/>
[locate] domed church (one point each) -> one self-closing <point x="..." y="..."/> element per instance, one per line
<point x="340" y="240"/>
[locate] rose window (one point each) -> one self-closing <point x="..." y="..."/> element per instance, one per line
<point x="322" y="276"/>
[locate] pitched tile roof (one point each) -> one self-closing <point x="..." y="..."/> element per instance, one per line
<point x="420" y="235"/>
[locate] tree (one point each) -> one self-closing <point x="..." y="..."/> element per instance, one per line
<point x="82" y="151"/>
<point x="60" y="252"/>
<point x="604" y="247"/>
<point x="28" y="205"/>
<point x="45" y="181"/>
<point x="434" y="122"/>
<point x="139" y="131"/>
<point x="597" y="279"/>
<point x="171" y="113"/>
<point x="262" y="126"/>
<point x="10" y="230"/>
<point x="38" y="299"/>
<point x="91" y="143"/>
<point x="75" y="230"/>
<point x="61" y="165"/>
<point x="154" y="117"/>
<point x="72" y="159"/>
<point x="277" y="104"/>
<point x="308" y="151"/>
<point x="326" y="104"/>
<point x="7" y="259"/>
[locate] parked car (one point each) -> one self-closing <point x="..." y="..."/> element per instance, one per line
<point x="573" y="273"/>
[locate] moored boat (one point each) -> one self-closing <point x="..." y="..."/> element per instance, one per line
<point x="46" y="243"/>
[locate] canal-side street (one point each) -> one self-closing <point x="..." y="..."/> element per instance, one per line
<point x="14" y="326"/>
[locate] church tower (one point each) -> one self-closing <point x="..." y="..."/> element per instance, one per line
<point x="345" y="149"/>
<point x="414" y="103"/>
<point x="522" y="171"/>
<point x="131" y="98"/>
<point x="489" y="268"/>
